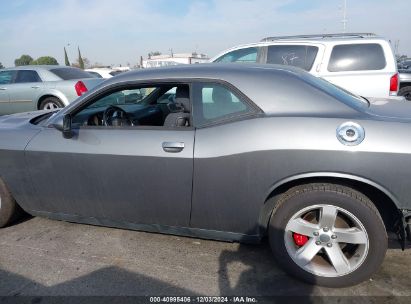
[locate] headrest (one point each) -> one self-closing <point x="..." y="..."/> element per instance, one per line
<point x="183" y="97"/>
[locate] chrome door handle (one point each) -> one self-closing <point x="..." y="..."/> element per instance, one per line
<point x="35" y="87"/>
<point x="3" y="89"/>
<point x="173" y="147"/>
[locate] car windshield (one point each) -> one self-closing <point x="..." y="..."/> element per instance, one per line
<point x="339" y="93"/>
<point x="70" y="73"/>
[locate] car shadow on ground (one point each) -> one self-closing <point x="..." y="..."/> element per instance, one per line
<point x="246" y="270"/>
<point x="261" y="280"/>
<point x="261" y="277"/>
<point x="114" y="282"/>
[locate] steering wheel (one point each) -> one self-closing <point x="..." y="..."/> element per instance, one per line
<point x="116" y="117"/>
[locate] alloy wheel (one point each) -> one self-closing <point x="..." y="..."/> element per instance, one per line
<point x="326" y="240"/>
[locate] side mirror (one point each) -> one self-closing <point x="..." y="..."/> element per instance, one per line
<point x="64" y="126"/>
<point x="67" y="132"/>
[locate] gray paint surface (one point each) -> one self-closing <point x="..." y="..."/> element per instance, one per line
<point x="222" y="178"/>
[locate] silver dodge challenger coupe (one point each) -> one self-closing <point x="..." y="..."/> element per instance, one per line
<point x="226" y="152"/>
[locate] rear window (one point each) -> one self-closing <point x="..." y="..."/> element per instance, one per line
<point x="302" y="56"/>
<point x="70" y="73"/>
<point x="356" y="57"/>
<point x="242" y="55"/>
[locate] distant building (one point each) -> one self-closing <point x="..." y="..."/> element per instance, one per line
<point x="174" y="59"/>
<point x="121" y="68"/>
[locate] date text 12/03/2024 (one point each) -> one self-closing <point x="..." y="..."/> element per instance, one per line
<point x="203" y="299"/>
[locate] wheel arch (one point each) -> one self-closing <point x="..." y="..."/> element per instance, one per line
<point x="404" y="84"/>
<point x="381" y="197"/>
<point x="60" y="96"/>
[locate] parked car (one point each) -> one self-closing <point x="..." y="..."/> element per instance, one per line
<point x="362" y="63"/>
<point x="404" y="65"/>
<point x="227" y="152"/>
<point x="43" y="87"/>
<point x="405" y="83"/>
<point x="103" y="72"/>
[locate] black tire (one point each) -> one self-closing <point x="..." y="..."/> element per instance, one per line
<point x="408" y="229"/>
<point x="300" y="197"/>
<point x="406" y="92"/>
<point x="45" y="103"/>
<point x="9" y="210"/>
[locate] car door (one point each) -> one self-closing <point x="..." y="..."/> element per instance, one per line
<point x="133" y="174"/>
<point x="6" y="78"/>
<point x="223" y="199"/>
<point x="25" y="90"/>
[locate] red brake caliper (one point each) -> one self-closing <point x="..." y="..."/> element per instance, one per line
<point x="300" y="239"/>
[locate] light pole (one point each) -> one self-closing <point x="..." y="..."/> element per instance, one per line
<point x="344" y="20"/>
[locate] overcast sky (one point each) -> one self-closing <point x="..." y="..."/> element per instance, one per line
<point x="120" y="31"/>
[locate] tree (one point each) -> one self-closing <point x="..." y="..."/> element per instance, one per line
<point x="1" y="66"/>
<point x="23" y="60"/>
<point x="86" y="63"/>
<point x="155" y="53"/>
<point x="80" y="60"/>
<point x="45" y="60"/>
<point x="66" y="60"/>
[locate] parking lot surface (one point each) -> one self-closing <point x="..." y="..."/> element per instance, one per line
<point x="40" y="257"/>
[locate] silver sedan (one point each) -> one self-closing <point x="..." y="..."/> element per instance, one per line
<point x="30" y="88"/>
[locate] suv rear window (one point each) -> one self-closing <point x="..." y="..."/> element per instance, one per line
<point x="70" y="73"/>
<point x="301" y="56"/>
<point x="356" y="57"/>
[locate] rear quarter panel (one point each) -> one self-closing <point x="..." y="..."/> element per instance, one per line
<point x="236" y="165"/>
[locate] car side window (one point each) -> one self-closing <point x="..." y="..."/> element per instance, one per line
<point x="357" y="57"/>
<point x="25" y="76"/>
<point x="6" y="77"/>
<point x="163" y="105"/>
<point x="302" y="56"/>
<point x="242" y="55"/>
<point x="215" y="102"/>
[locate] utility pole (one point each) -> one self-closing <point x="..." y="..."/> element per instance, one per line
<point x="396" y="46"/>
<point x="344" y="20"/>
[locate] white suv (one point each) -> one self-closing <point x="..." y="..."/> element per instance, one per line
<point x="358" y="62"/>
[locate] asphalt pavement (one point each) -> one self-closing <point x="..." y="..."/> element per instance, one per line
<point x="41" y="257"/>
